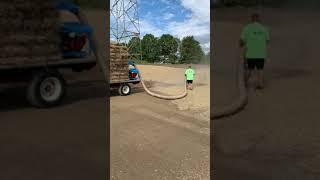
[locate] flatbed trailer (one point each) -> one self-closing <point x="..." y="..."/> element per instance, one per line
<point x="45" y="85"/>
<point x="124" y="87"/>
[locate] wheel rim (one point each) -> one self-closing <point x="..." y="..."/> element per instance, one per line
<point x="50" y="89"/>
<point x="125" y="89"/>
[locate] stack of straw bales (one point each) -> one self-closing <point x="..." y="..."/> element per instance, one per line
<point x="118" y="63"/>
<point x="29" y="32"/>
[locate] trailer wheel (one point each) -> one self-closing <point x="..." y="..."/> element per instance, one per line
<point x="46" y="89"/>
<point x="124" y="89"/>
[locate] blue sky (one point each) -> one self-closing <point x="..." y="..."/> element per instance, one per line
<point x="160" y="13"/>
<point x="179" y="18"/>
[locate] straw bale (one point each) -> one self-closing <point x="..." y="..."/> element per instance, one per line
<point x="118" y="63"/>
<point x="29" y="32"/>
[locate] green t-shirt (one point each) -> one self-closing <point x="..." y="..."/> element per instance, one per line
<point x="189" y="73"/>
<point x="255" y="37"/>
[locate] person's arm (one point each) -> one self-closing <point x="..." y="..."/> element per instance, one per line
<point x="268" y="36"/>
<point x="242" y="42"/>
<point x="268" y="40"/>
<point x="242" y="38"/>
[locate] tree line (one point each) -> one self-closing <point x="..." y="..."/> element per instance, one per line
<point x="168" y="49"/>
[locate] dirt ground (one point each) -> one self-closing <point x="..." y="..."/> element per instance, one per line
<point x="64" y="142"/>
<point x="276" y="136"/>
<point x="151" y="138"/>
<point x="170" y="80"/>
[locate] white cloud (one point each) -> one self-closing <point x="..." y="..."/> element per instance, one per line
<point x="165" y="1"/>
<point x="199" y="8"/>
<point x="148" y="15"/>
<point x="168" y="16"/>
<point x="148" y="27"/>
<point x="191" y="27"/>
<point x="197" y="23"/>
<point x="150" y="3"/>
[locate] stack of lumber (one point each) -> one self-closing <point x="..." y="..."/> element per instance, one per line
<point x="29" y="32"/>
<point x="118" y="63"/>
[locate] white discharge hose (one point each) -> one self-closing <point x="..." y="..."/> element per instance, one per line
<point x="239" y="103"/>
<point x="166" y="97"/>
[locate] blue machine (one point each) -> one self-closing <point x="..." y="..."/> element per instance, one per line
<point x="75" y="35"/>
<point x="133" y="72"/>
<point x="124" y="88"/>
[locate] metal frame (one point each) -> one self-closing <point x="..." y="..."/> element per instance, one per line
<point x="125" y="24"/>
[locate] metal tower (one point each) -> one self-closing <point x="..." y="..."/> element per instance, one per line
<point x="125" y="25"/>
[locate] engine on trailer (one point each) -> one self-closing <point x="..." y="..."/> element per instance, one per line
<point x="76" y="35"/>
<point x="72" y="41"/>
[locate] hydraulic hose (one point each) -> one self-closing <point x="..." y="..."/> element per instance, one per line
<point x="240" y="102"/>
<point x="166" y="97"/>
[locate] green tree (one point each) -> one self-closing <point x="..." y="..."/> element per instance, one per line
<point x="134" y="48"/>
<point x="191" y="51"/>
<point x="168" y="47"/>
<point x="150" y="49"/>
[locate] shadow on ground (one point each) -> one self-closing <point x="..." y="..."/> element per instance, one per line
<point x="15" y="98"/>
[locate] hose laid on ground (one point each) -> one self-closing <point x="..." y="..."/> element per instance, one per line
<point x="174" y="97"/>
<point x="239" y="103"/>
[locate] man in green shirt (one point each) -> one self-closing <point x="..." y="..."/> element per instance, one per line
<point x="189" y="76"/>
<point x="255" y="38"/>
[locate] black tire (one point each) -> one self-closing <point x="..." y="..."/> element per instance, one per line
<point x="120" y="90"/>
<point x="36" y="91"/>
<point x="124" y="90"/>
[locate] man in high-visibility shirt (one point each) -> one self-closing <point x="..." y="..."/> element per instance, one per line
<point x="190" y="73"/>
<point x="255" y="38"/>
